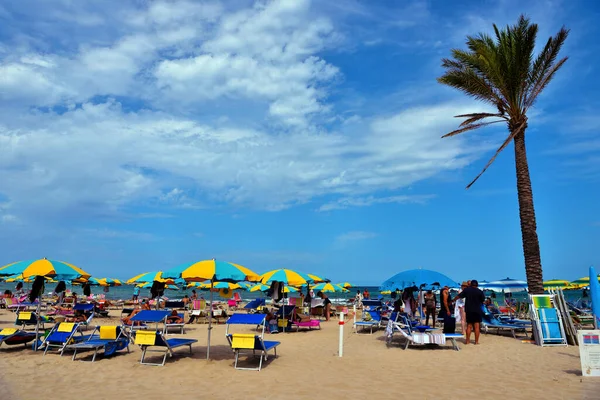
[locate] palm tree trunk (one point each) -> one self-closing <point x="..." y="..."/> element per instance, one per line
<point x="531" y="244"/>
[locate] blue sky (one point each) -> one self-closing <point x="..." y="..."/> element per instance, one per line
<point x="136" y="136"/>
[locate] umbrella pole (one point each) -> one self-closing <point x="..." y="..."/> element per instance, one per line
<point x="210" y="311"/>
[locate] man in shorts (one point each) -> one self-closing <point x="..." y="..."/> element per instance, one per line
<point x="474" y="299"/>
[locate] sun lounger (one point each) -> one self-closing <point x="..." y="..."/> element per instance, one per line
<point x="145" y="317"/>
<point x="372" y="321"/>
<point x="30" y="318"/>
<point x="547" y="321"/>
<point x="310" y="324"/>
<point x="176" y="325"/>
<point x="61" y="335"/>
<point x="403" y="326"/>
<point x="15" y="336"/>
<point x="253" y="305"/>
<point x="242" y="342"/>
<point x="490" y="321"/>
<point x="178" y="304"/>
<point x="109" y="338"/>
<point x="151" y="339"/>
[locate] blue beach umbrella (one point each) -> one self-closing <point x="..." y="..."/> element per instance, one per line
<point x="505" y="285"/>
<point x="421" y="278"/>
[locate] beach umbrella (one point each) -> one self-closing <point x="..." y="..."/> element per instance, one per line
<point x="286" y="276"/>
<point x="259" y="287"/>
<point x="215" y="271"/>
<point x="148" y="285"/>
<point x="505" y="285"/>
<point x="421" y="278"/>
<point x="595" y="296"/>
<point x="58" y="270"/>
<point x="216" y="286"/>
<point x="582" y="282"/>
<point x="111" y="281"/>
<point x="346" y="285"/>
<point x="212" y="270"/>
<point x="556" y="283"/>
<point x="149" y="277"/>
<point x="20" y="278"/>
<point x="328" y="288"/>
<point x="318" y="279"/>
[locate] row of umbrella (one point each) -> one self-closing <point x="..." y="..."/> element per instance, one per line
<point x="213" y="271"/>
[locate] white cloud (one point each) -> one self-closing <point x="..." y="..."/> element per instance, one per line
<point x="151" y="155"/>
<point x="349" y="202"/>
<point x="217" y="108"/>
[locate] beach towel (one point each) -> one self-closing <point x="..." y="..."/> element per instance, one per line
<point x="428" y="338"/>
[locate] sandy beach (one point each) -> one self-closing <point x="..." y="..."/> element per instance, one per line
<point x="307" y="366"/>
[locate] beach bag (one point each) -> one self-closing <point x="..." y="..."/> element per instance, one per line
<point x="449" y="324"/>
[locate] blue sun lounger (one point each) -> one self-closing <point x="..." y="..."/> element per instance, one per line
<point x="15" y="336"/>
<point x="149" y="339"/>
<point x="146" y="317"/>
<point x="61" y="335"/>
<point x="254" y="304"/>
<point x="375" y="321"/>
<point x="242" y="342"/>
<point x="31" y="318"/>
<point x="109" y="338"/>
<point x="490" y="321"/>
<point x="547" y="321"/>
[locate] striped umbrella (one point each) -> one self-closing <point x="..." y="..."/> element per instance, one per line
<point x="19" y="278"/>
<point x="215" y="271"/>
<point x="149" y="277"/>
<point x="259" y="287"/>
<point x="111" y="281"/>
<point x="263" y="288"/>
<point x="317" y="279"/>
<point x="216" y="286"/>
<point x="556" y="283"/>
<point x="148" y="285"/>
<point x="505" y="285"/>
<point x="579" y="283"/>
<point x="287" y="276"/>
<point x="329" y="288"/>
<point x="58" y="270"/>
<point x="212" y="270"/>
<point x="346" y="285"/>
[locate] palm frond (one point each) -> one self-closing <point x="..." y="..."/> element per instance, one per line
<point x="470" y="83"/>
<point x="544" y="67"/>
<point x="509" y="139"/>
<point x="470" y="128"/>
<point x="472" y="118"/>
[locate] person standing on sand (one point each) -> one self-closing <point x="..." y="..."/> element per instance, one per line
<point x="474" y="299"/>
<point x="459" y="309"/>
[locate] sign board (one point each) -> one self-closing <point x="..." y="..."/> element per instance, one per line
<point x="589" y="352"/>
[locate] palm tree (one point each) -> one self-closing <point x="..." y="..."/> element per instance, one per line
<point x="504" y="72"/>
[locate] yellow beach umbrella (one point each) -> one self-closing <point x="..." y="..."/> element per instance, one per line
<point x="328" y="287"/>
<point x="317" y="279"/>
<point x="59" y="270"/>
<point x="556" y="283"/>
<point x="346" y="285"/>
<point x="287" y="276"/>
<point x="582" y="282"/>
<point x="149" y="277"/>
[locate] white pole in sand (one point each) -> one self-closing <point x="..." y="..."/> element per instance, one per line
<point x="354" y="325"/>
<point x="341" y="323"/>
